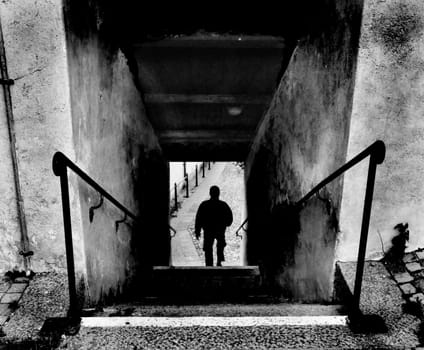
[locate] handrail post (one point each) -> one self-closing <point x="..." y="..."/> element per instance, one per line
<point x="364" y="231"/>
<point x="186" y="185"/>
<point x="197" y="178"/>
<point x="60" y="169"/>
<point x="73" y="303"/>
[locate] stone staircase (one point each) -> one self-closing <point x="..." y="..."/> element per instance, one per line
<point x="212" y="326"/>
<point x="207" y="307"/>
<point x="203" y="283"/>
<point x="253" y="320"/>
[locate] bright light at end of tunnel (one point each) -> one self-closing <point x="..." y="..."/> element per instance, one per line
<point x="234" y="110"/>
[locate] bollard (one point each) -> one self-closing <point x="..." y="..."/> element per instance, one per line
<point x="184" y="168"/>
<point x="203" y="169"/>
<point x="175" y="197"/>
<point x="186" y="182"/>
<point x="197" y="179"/>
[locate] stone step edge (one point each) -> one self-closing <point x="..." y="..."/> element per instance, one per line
<point x="212" y="321"/>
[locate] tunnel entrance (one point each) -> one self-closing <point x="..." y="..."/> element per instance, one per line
<point x="189" y="184"/>
<point x="278" y="100"/>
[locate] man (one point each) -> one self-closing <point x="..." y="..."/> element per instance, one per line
<point x="213" y="216"/>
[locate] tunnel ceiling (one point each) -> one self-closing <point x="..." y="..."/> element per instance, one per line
<point x="208" y="74"/>
<point x="205" y="94"/>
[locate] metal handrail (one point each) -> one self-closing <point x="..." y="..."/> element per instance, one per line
<point x="60" y="163"/>
<point x="377" y="152"/>
<point x="173" y="230"/>
<point x="241" y="227"/>
<point x="378" y="149"/>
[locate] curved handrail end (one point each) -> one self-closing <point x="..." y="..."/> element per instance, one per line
<point x="379" y="151"/>
<point x="174" y="231"/>
<point x="58" y="163"/>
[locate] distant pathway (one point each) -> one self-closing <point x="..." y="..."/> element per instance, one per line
<point x="184" y="252"/>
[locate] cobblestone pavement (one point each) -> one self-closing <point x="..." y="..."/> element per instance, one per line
<point x="380" y="296"/>
<point x="229" y="178"/>
<point x="409" y="276"/>
<point x="10" y="294"/>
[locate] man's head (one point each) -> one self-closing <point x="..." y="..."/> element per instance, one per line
<point x="214" y="192"/>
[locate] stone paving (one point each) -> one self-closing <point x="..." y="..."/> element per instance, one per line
<point x="10" y="294"/>
<point x="409" y="276"/>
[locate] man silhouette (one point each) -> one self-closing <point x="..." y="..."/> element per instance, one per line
<point x="213" y="216"/>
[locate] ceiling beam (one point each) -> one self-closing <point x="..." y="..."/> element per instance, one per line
<point x="217" y="42"/>
<point x="218" y="135"/>
<point x="207" y="99"/>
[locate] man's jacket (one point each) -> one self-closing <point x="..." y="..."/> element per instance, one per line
<point x="213" y="216"/>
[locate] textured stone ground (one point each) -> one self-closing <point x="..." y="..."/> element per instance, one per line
<point x="11" y="291"/>
<point x="409" y="275"/>
<point x="221" y="338"/>
<point x="45" y="297"/>
<point x="381" y="296"/>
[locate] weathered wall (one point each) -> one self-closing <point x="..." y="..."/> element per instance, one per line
<point x="388" y="105"/>
<point x="116" y="145"/>
<point x="36" y="56"/>
<point x="302" y="138"/>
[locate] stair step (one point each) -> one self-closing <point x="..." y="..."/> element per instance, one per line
<point x="221" y="310"/>
<point x="203" y="282"/>
<point x="213" y="321"/>
<point x="226" y="337"/>
<point x="206" y="271"/>
<point x="219" y="333"/>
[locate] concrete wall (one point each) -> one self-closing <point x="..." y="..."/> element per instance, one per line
<point x="36" y="56"/>
<point x="302" y="139"/>
<point x="117" y="146"/>
<point x="388" y="105"/>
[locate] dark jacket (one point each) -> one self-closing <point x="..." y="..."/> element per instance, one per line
<point x="213" y="216"/>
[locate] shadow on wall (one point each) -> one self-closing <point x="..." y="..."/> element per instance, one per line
<point x="309" y="275"/>
<point x="152" y="195"/>
<point x="297" y="249"/>
<point x="120" y="250"/>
